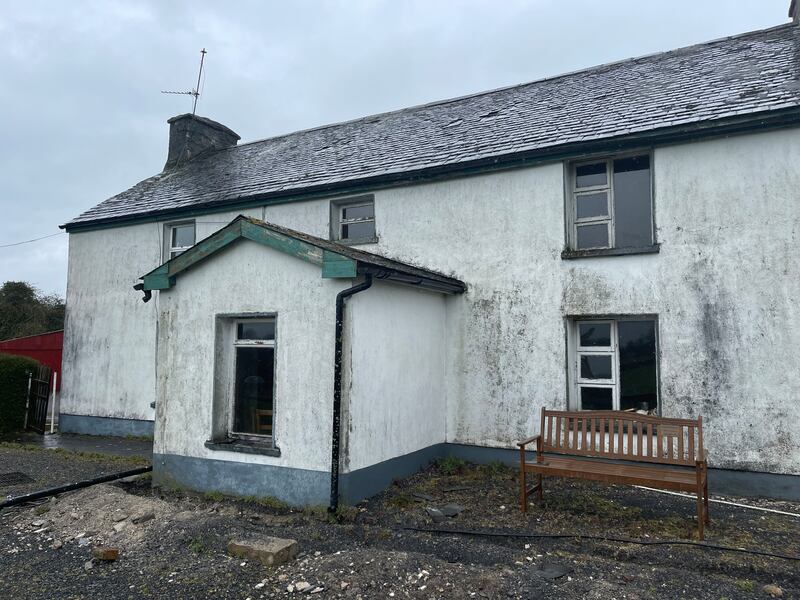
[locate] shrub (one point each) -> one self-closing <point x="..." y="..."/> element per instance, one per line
<point x="14" y="372"/>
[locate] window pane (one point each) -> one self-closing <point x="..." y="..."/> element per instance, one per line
<point x="591" y="205"/>
<point x="637" y="364"/>
<point x="358" y="231"/>
<point x="183" y="236"/>
<point x="588" y="175"/>
<point x="593" y="398"/>
<point x="256" y="330"/>
<point x="366" y="211"/>
<point x="632" y="205"/>
<point x="254" y="379"/>
<point x="592" y="236"/>
<point x="595" y="335"/>
<point x="596" y="367"/>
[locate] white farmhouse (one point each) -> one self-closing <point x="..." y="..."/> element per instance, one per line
<point x="333" y="308"/>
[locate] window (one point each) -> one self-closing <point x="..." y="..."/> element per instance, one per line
<point x="353" y="220"/>
<point x="254" y="378"/>
<point x="611" y="204"/>
<point x="179" y="238"/>
<point x="614" y="364"/>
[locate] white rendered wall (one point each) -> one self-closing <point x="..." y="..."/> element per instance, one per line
<point x="395" y="388"/>
<point x="725" y="287"/>
<point x="109" y="334"/>
<point x="109" y="358"/>
<point x="249" y="278"/>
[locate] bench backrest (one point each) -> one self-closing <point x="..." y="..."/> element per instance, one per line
<point x="623" y="435"/>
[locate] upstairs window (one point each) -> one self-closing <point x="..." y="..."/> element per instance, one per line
<point x="611" y="204"/>
<point x="353" y="220"/>
<point x="180" y="237"/>
<point x="614" y="364"/>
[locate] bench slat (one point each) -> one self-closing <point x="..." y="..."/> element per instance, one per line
<point x="621" y="435"/>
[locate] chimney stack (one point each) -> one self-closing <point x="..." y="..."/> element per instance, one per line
<point x="794" y="11"/>
<point x="190" y="136"/>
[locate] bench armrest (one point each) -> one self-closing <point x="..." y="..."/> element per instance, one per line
<point x="704" y="458"/>
<point x="524" y="443"/>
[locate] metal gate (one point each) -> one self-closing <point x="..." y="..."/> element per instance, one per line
<point x="38" y="394"/>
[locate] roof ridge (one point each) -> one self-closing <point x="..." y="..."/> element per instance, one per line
<point x="444" y="101"/>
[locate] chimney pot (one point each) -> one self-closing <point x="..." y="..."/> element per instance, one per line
<point x="190" y="136"/>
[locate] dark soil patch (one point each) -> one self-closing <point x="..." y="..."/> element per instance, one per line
<point x="48" y="468"/>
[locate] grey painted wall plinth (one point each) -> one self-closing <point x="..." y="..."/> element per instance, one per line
<point x="88" y="425"/>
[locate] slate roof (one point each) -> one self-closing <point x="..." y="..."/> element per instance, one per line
<point x="749" y="74"/>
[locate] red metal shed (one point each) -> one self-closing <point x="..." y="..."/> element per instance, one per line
<point x="45" y="347"/>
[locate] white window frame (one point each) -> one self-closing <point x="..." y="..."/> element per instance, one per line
<point x="575" y="351"/>
<point x="610" y="350"/>
<point x="260" y="344"/>
<point x="608" y="188"/>
<point x="171" y="251"/>
<point x="574" y="192"/>
<point x="338" y="221"/>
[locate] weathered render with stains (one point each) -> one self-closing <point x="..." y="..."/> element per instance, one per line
<point x="476" y="189"/>
<point x="109" y="365"/>
<point x="724" y="287"/>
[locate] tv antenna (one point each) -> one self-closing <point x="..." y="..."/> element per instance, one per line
<point x="196" y="91"/>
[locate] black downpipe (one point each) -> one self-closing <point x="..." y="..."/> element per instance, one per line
<point x="72" y="486"/>
<point x="337" y="387"/>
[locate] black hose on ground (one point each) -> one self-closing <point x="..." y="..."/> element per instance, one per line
<point x="72" y="486"/>
<point x="599" y="538"/>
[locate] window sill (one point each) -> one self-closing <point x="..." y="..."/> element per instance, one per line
<point x="572" y="254"/>
<point x="359" y="242"/>
<point x="243" y="446"/>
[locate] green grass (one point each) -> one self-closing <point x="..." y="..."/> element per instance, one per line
<point x="267" y="502"/>
<point x="198" y="546"/>
<point x="745" y="585"/>
<point x="450" y="465"/>
<point x="343" y="514"/>
<point x="76" y="455"/>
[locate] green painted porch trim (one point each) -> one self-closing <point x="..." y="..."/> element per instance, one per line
<point x="284" y="243"/>
<point x="158" y="279"/>
<point x="205" y="248"/>
<point x="333" y="265"/>
<point x="336" y="266"/>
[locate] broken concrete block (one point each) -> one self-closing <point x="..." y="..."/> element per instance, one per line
<point x="105" y="553"/>
<point x="451" y="510"/>
<point x="143" y="517"/>
<point x="435" y="514"/>
<point x="773" y="590"/>
<point x="268" y="550"/>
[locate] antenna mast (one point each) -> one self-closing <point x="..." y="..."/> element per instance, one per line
<point x="200" y="74"/>
<point x="196" y="91"/>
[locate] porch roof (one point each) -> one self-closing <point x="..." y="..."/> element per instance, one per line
<point x="337" y="261"/>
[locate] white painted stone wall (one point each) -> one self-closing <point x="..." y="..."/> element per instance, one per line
<point x="109" y="359"/>
<point x="395" y="395"/>
<point x="724" y="286"/>
<point x="249" y="278"/>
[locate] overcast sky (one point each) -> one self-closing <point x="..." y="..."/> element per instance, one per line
<point x="83" y="117"/>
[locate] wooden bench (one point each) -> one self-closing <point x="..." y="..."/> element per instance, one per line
<point x="645" y="450"/>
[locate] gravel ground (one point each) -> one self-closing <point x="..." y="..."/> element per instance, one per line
<point x="369" y="552"/>
<point x="45" y="468"/>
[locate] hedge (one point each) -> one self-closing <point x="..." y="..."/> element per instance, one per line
<point x="14" y="390"/>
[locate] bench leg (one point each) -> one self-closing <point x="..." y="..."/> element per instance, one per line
<point x="539" y="494"/>
<point x="523" y="485"/>
<point x="700" y="517"/>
